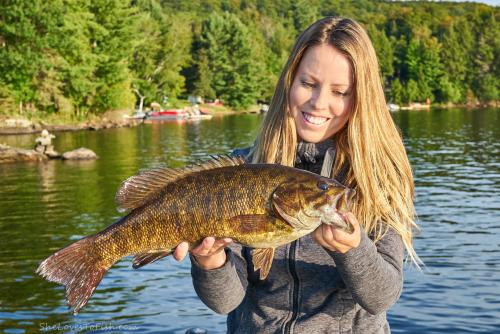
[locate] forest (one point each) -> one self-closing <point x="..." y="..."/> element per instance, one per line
<point x="76" y="58"/>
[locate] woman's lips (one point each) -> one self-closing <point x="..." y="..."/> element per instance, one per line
<point x="315" y="120"/>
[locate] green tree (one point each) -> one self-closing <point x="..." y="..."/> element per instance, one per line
<point x="385" y="51"/>
<point x="230" y="55"/>
<point x="449" y="91"/>
<point x="162" y="49"/>
<point x="278" y="38"/>
<point x="23" y="37"/>
<point x="77" y="61"/>
<point x="7" y="100"/>
<point x="202" y="86"/>
<point x="397" y="92"/>
<point x="112" y="41"/>
<point x="304" y="13"/>
<point x="486" y="81"/>
<point x="455" y="56"/>
<point x="424" y="66"/>
<point x="411" y="91"/>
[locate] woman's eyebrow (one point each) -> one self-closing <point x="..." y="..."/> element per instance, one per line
<point x="305" y="75"/>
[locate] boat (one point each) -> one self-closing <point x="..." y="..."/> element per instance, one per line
<point x="177" y="114"/>
<point x="167" y="114"/>
<point x="393" y="107"/>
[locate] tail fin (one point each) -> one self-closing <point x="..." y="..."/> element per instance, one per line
<point x="77" y="269"/>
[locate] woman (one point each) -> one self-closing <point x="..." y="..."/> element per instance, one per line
<point x="328" y="115"/>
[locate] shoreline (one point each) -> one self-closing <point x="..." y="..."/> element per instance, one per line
<point x="21" y="125"/>
<point x="16" y="125"/>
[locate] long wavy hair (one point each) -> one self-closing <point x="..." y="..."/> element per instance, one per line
<point x="369" y="146"/>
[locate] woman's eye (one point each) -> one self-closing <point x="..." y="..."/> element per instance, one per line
<point x="322" y="185"/>
<point x="307" y="84"/>
<point x="336" y="92"/>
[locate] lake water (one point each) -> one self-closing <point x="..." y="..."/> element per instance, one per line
<point x="455" y="155"/>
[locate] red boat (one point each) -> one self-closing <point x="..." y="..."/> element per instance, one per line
<point x="167" y="114"/>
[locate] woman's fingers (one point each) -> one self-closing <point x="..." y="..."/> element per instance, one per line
<point x="327" y="238"/>
<point x="204" y="247"/>
<point x="336" y="239"/>
<point x="210" y="246"/>
<point x="210" y="253"/>
<point x="181" y="251"/>
<point x="350" y="239"/>
<point x="220" y="244"/>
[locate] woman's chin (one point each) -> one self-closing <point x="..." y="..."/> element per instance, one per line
<point x="311" y="136"/>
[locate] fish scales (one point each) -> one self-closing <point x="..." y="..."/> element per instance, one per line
<point x="192" y="219"/>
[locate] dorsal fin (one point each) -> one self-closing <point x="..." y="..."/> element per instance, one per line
<point x="147" y="185"/>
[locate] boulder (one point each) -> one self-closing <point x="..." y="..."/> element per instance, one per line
<point x="13" y="154"/>
<point x="79" y="154"/>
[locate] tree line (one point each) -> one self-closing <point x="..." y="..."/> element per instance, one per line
<point x="81" y="57"/>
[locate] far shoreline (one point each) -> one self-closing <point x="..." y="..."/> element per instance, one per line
<point x="21" y="125"/>
<point x="34" y="127"/>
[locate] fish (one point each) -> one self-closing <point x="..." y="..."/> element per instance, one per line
<point x="261" y="206"/>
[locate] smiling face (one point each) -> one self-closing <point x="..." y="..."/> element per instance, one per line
<point x="321" y="94"/>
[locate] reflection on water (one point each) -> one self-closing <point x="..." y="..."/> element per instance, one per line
<point x="44" y="206"/>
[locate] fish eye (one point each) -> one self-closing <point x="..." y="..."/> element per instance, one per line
<point x="323" y="185"/>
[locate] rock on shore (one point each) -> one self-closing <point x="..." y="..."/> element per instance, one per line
<point x="12" y="154"/>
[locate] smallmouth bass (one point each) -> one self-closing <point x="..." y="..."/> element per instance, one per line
<point x="262" y="206"/>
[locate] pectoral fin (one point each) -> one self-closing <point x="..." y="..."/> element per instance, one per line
<point x="142" y="259"/>
<point x="262" y="259"/>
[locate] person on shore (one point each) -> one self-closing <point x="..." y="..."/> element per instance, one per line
<point x="328" y="115"/>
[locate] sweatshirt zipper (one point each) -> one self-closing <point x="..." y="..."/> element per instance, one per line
<point x="295" y="287"/>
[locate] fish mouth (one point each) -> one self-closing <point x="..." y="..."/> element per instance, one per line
<point x="332" y="213"/>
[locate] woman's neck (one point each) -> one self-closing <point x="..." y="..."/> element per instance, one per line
<point x="312" y="152"/>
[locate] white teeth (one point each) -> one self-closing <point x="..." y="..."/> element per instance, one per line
<point x="316" y="120"/>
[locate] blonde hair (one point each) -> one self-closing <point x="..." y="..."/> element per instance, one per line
<point x="370" y="145"/>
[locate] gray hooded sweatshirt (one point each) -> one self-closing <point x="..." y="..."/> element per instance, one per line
<point x="309" y="288"/>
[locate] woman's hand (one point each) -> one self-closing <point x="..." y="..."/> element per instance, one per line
<point x="209" y="254"/>
<point x="337" y="240"/>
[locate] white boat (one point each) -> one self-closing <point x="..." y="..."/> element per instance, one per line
<point x="393" y="107"/>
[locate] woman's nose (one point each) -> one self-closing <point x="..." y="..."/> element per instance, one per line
<point x="320" y="99"/>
